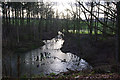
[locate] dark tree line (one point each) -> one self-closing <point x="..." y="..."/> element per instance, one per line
<point x="27" y="21"/>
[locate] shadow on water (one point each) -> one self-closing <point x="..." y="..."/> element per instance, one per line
<point x="47" y="59"/>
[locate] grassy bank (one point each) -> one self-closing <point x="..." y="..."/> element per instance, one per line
<point x="98" y="53"/>
<point x="22" y="47"/>
<point x="25" y="43"/>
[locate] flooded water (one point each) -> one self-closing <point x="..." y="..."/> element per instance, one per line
<point x="47" y="59"/>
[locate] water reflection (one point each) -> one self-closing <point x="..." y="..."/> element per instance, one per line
<point x="49" y="59"/>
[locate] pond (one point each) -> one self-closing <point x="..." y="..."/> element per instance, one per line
<point x="47" y="59"/>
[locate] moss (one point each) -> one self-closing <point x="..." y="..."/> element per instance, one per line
<point x="24" y="76"/>
<point x="52" y="74"/>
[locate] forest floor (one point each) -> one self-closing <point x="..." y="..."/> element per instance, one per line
<point x="73" y="76"/>
<point x="99" y="54"/>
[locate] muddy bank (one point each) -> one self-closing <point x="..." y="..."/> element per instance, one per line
<point x="25" y="46"/>
<point x="49" y="35"/>
<point x="100" y="52"/>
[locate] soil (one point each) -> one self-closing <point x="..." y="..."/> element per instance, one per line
<point x="95" y="52"/>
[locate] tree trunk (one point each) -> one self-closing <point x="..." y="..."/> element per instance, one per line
<point x="118" y="33"/>
<point x="18" y="67"/>
<point x="16" y="24"/>
<point x="91" y="19"/>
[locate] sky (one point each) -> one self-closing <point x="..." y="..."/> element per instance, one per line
<point x="62" y="5"/>
<point x="59" y="5"/>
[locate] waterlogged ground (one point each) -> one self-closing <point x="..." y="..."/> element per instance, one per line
<point x="45" y="60"/>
